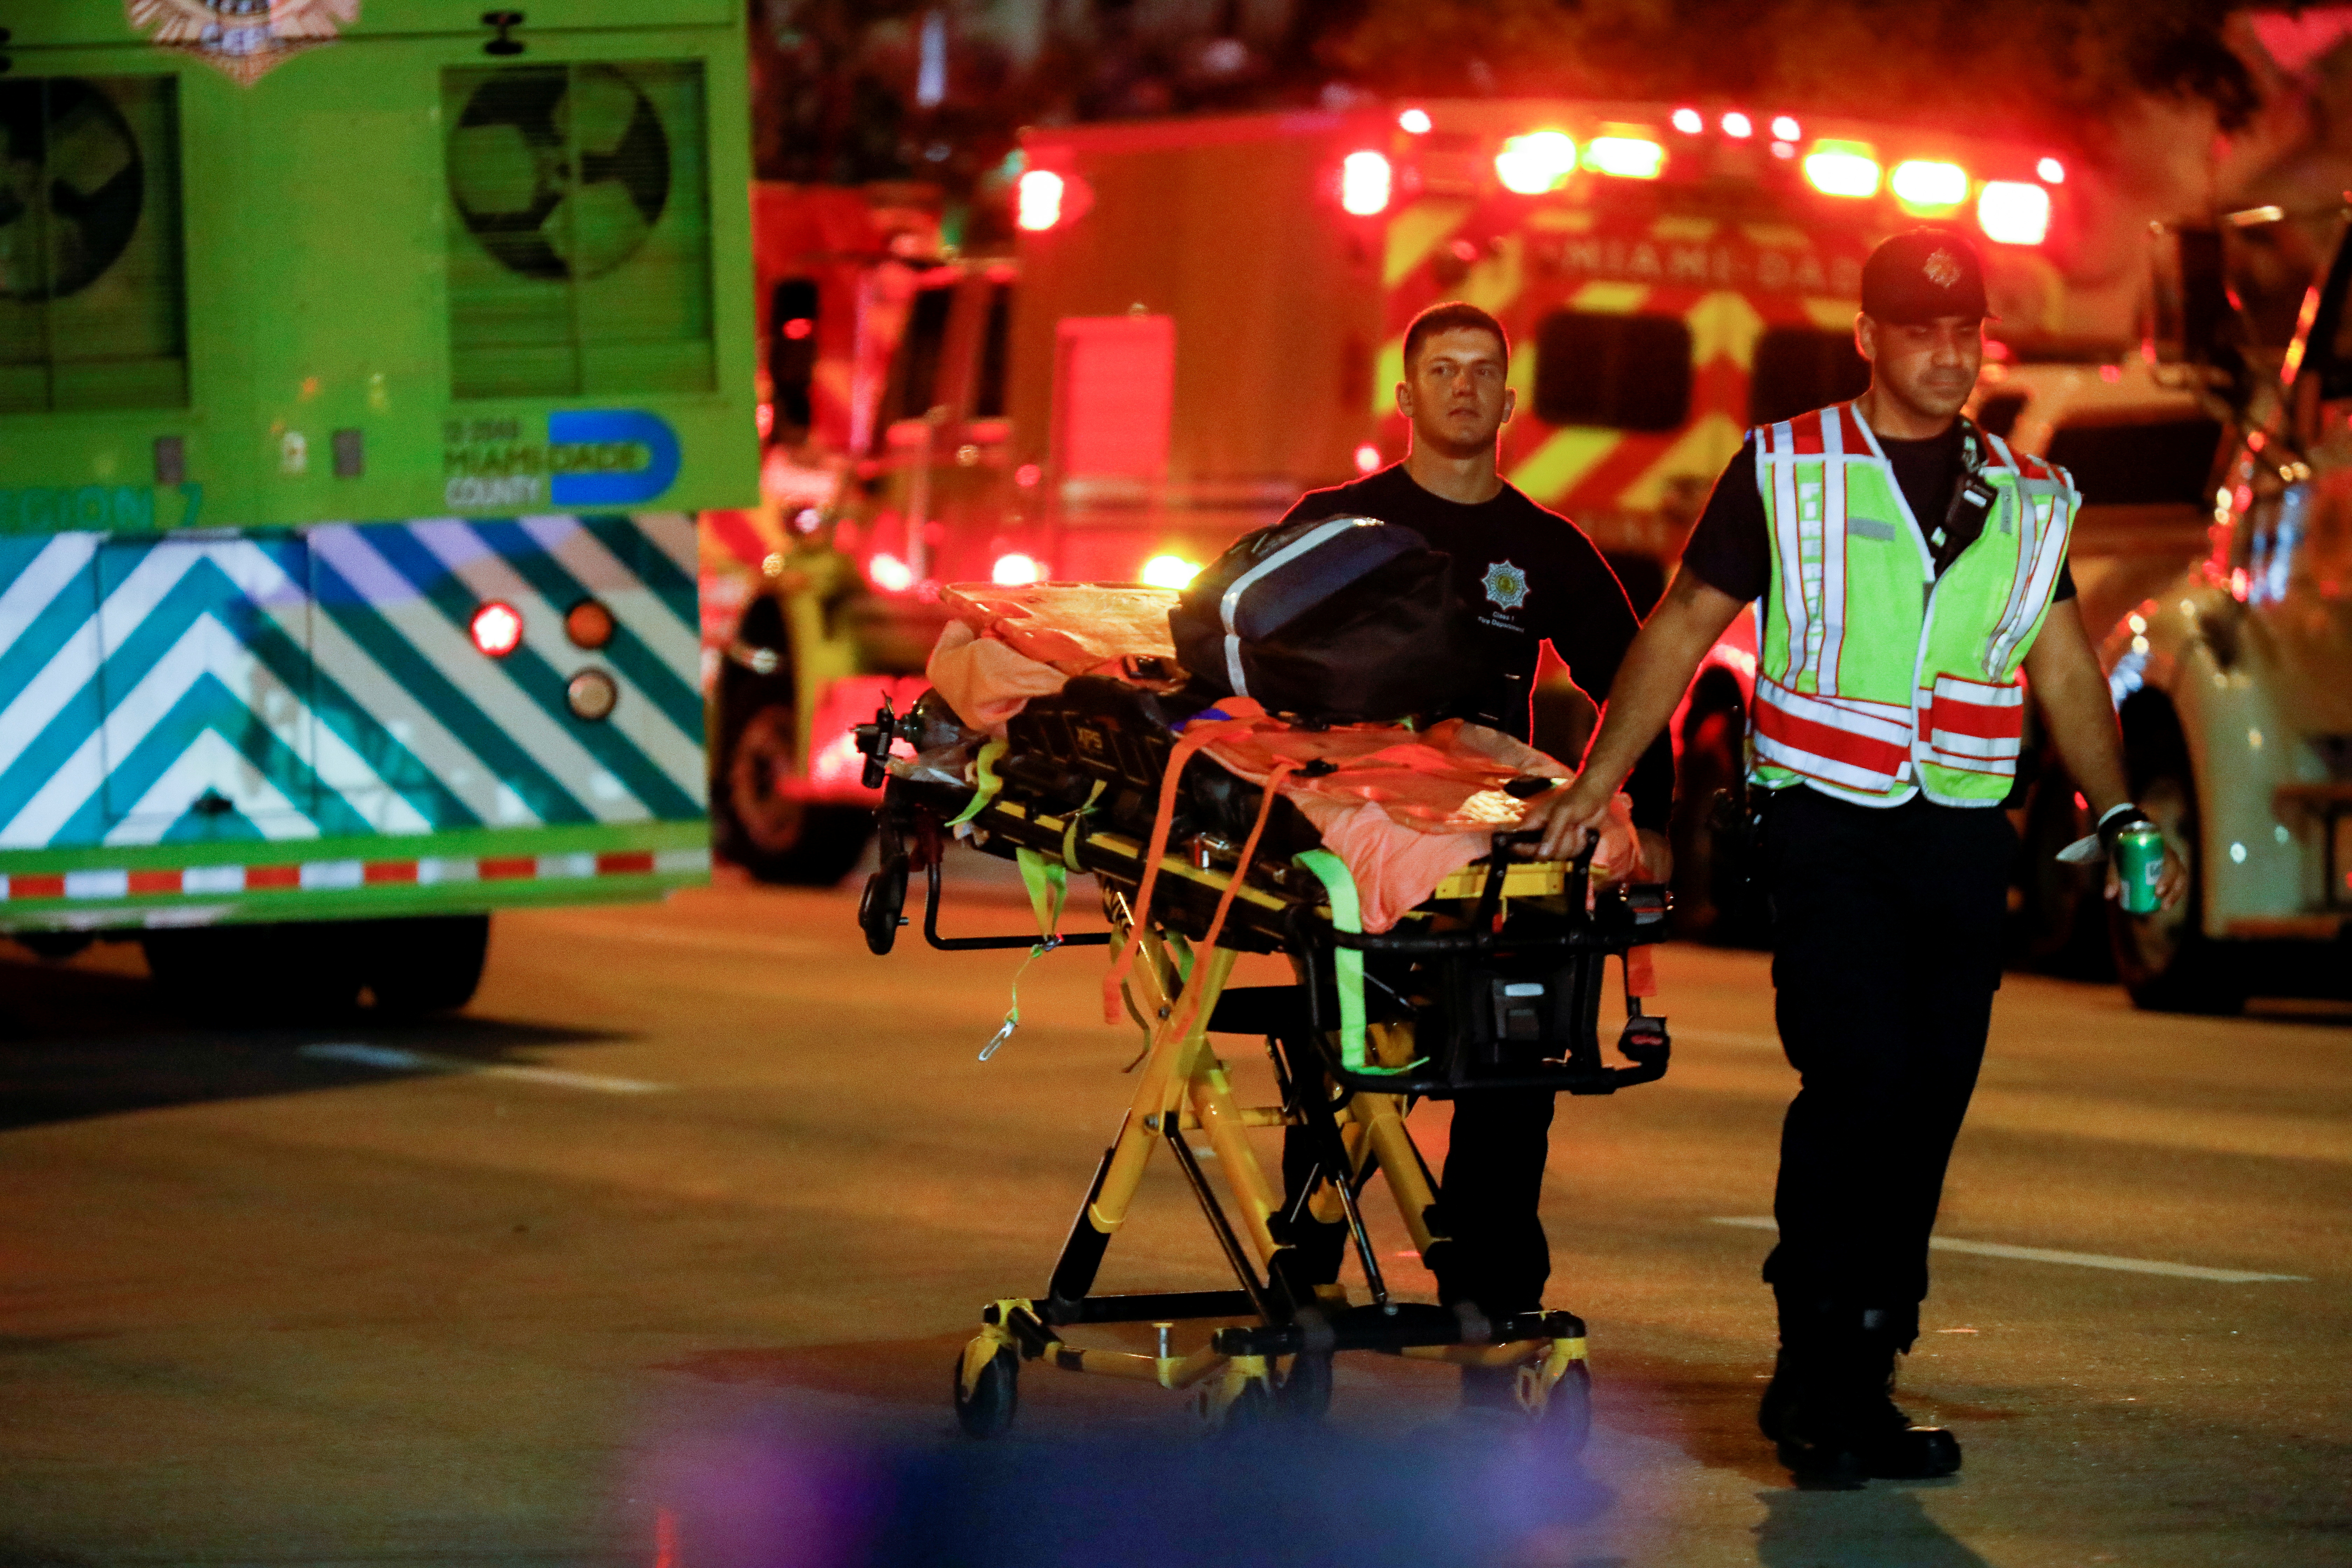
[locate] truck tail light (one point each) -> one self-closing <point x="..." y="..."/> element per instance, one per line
<point x="497" y="629"/>
<point x="2013" y="212"/>
<point x="1366" y="181"/>
<point x="1170" y="571"/>
<point x="1037" y="200"/>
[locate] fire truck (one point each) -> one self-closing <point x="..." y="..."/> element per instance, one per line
<point x="359" y="381"/>
<point x="1209" y="319"/>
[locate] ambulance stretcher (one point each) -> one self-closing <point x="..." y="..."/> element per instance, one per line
<point x="1493" y="984"/>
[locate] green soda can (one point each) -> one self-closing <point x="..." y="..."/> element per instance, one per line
<point x="2139" y="861"/>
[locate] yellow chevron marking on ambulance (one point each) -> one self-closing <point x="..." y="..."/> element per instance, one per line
<point x="1831" y="315"/>
<point x="1701" y="452"/>
<point x="1684" y="229"/>
<point x="1415" y="232"/>
<point x="1606" y="299"/>
<point x="1554" y="468"/>
<point x="1724" y="325"/>
<point x="1387" y="371"/>
<point x="1497" y="280"/>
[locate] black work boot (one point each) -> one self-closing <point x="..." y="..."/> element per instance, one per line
<point x="1830" y="1407"/>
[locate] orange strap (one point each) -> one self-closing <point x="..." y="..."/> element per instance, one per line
<point x="1641" y="974"/>
<point x="1191" y="999"/>
<point x="1245" y="715"/>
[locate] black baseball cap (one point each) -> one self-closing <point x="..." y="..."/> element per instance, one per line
<point x="1914" y="278"/>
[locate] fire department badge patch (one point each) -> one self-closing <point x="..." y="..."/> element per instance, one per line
<point x="1942" y="268"/>
<point x="243" y="38"/>
<point x="1506" y="586"/>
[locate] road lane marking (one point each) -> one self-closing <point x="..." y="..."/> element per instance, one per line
<point x="390" y="1059"/>
<point x="2046" y="1255"/>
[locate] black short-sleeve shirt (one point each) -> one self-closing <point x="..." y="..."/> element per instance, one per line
<point x="1731" y="548"/>
<point x="1528" y="575"/>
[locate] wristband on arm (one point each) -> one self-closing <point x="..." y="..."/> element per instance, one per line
<point x="2100" y="843"/>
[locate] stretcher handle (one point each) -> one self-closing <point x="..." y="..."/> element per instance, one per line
<point x="1498" y="858"/>
<point x="968" y="943"/>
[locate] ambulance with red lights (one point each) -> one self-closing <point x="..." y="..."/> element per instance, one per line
<point x="1210" y="317"/>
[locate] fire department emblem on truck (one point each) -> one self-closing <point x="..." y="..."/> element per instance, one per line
<point x="245" y="38"/>
<point x="1506" y="586"/>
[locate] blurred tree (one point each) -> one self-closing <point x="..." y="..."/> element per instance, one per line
<point x="2056" y="70"/>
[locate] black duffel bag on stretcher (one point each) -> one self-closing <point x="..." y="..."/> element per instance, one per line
<point x="1337" y="621"/>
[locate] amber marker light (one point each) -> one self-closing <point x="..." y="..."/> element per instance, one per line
<point x="588" y="623"/>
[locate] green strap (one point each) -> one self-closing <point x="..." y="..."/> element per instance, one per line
<point x="987" y="784"/>
<point x="1347" y="962"/>
<point x="1048" y="883"/>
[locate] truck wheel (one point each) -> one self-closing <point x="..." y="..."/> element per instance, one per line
<point x="275" y="974"/>
<point x="759" y="824"/>
<point x="430" y="964"/>
<point x="2165" y="960"/>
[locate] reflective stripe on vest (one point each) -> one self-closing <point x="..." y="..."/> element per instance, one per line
<point x="1875" y="679"/>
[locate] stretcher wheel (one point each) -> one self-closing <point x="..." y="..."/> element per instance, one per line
<point x="1567" y="1419"/>
<point x="987" y="1410"/>
<point x="1253" y="1406"/>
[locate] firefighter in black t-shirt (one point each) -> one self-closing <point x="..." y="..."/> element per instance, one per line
<point x="1911" y="571"/>
<point x="1529" y="575"/>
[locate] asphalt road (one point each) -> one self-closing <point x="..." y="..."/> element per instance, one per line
<point x="660" y="1254"/>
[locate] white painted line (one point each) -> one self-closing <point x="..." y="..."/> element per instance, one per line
<point x="2046" y="1255"/>
<point x="390" y="1059"/>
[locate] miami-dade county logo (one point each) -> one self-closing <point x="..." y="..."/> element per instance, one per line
<point x="592" y="458"/>
<point x="243" y="38"/>
<point x="1942" y="268"/>
<point x="1505" y="585"/>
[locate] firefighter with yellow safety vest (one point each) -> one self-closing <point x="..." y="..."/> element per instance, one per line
<point x="1912" y="573"/>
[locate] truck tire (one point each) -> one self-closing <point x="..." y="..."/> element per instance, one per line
<point x="429" y="964"/>
<point x="2165" y="960"/>
<point x="757" y="823"/>
<point x="296" y="972"/>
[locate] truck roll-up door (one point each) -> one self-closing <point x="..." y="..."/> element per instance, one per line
<point x="1114" y="397"/>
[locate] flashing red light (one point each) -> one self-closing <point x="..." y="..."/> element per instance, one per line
<point x="2012" y="212"/>
<point x="2052" y="170"/>
<point x="1015" y="569"/>
<point x="798" y="327"/>
<point x="1737" y="126"/>
<point x="1415" y="122"/>
<point x="1365" y="183"/>
<point x="1367" y="457"/>
<point x="1786" y="128"/>
<point x="1688" y="122"/>
<point x="497" y="629"/>
<point x="1037" y="200"/>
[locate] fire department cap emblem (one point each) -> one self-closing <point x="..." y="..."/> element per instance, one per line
<point x="1505" y="585"/>
<point x="244" y="39"/>
<point x="1942" y="268"/>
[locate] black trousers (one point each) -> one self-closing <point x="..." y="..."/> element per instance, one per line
<point x="1488" y="1195"/>
<point x="1887" y="927"/>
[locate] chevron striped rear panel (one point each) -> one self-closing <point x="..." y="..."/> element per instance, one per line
<point x="173" y="709"/>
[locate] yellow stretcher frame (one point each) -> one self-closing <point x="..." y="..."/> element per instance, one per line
<point x="1183" y="1085"/>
